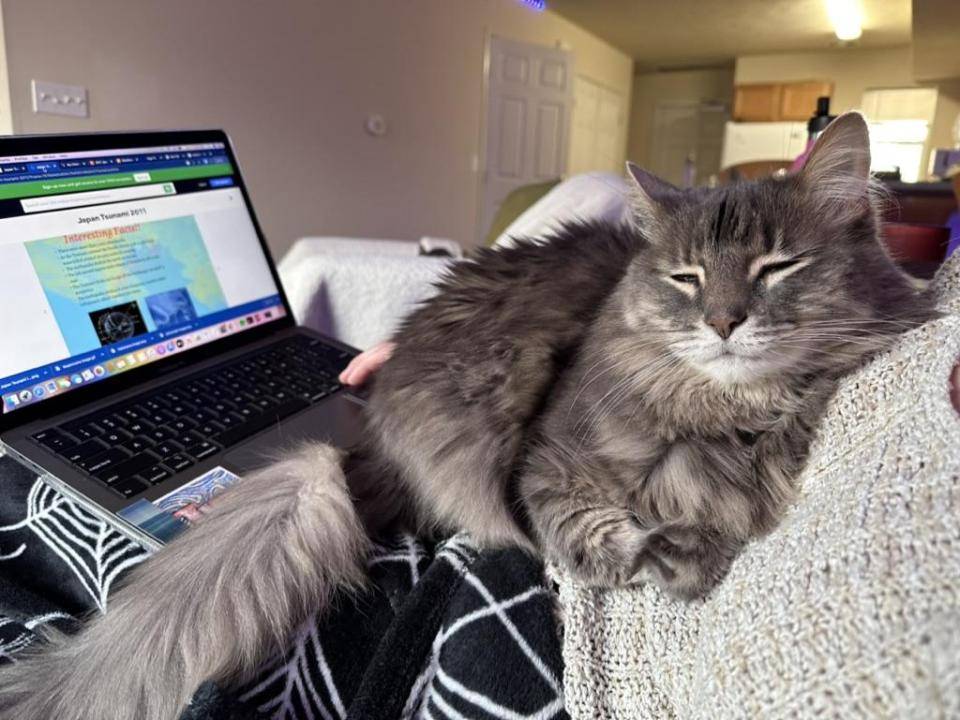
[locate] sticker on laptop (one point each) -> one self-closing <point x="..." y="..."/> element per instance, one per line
<point x="168" y="516"/>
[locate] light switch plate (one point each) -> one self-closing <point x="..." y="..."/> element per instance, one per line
<point x="58" y="99"/>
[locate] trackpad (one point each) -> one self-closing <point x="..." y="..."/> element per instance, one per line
<point x="336" y="421"/>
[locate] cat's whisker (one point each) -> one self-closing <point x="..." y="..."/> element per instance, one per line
<point x="585" y="383"/>
<point x="595" y="415"/>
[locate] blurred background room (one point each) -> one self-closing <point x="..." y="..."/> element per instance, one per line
<point x="399" y="119"/>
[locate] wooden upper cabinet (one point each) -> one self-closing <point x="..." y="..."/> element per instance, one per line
<point x="778" y="101"/>
<point x="798" y="101"/>
<point x="756" y="103"/>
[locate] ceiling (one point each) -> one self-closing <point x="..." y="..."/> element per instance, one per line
<point x="684" y="33"/>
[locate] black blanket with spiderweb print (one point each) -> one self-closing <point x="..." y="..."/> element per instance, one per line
<point x="444" y="631"/>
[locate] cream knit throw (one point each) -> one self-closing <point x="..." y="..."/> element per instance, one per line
<point x="851" y="608"/>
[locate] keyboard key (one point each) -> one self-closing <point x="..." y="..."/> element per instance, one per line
<point x="153" y="404"/>
<point x="130" y="487"/>
<point x="126" y="468"/>
<point x="171" y="396"/>
<point x="202" y="450"/>
<point x="154" y="474"/>
<point x="208" y="429"/>
<point x="264" y="403"/>
<point x="55" y="440"/>
<point x="160" y="434"/>
<point x="248" y="412"/>
<point x="181" y="408"/>
<point x="200" y="416"/>
<point x="115" y="437"/>
<point x="167" y="448"/>
<point x="111" y="422"/>
<point x="133" y="413"/>
<point x="84" y="451"/>
<point x="98" y="463"/>
<point x="139" y="427"/>
<point x="217" y="393"/>
<point x="178" y="462"/>
<point x="136" y="444"/>
<point x="161" y="417"/>
<point x="191" y="437"/>
<point x="83" y="430"/>
<point x="182" y="425"/>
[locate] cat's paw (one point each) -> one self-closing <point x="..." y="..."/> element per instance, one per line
<point x="687" y="562"/>
<point x="605" y="548"/>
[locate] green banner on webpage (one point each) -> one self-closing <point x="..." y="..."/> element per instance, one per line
<point x="57" y="186"/>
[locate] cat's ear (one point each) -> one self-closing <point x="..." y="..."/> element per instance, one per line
<point x="837" y="170"/>
<point x="649" y="193"/>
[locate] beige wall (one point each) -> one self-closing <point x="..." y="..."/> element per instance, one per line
<point x="6" y="118"/>
<point x="678" y="86"/>
<point x="293" y="83"/>
<point x="851" y="71"/>
<point x="947" y="112"/>
<point x="935" y="27"/>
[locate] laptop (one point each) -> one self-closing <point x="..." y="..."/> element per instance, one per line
<point x="150" y="357"/>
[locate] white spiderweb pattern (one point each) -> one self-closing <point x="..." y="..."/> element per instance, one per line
<point x="93" y="551"/>
<point x="427" y="702"/>
<point x="302" y="687"/>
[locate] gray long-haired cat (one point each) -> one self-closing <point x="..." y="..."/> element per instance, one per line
<point x="635" y="403"/>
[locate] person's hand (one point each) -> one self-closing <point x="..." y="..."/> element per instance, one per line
<point x="366" y="364"/>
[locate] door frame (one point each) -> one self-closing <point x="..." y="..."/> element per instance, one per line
<point x="479" y="162"/>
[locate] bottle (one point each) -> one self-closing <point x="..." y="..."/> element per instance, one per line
<point x="815" y="127"/>
<point x="818" y="123"/>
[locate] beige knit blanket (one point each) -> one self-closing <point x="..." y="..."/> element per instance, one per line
<point x="851" y="608"/>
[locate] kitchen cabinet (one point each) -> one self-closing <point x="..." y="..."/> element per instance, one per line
<point x="778" y="102"/>
<point x="752" y="141"/>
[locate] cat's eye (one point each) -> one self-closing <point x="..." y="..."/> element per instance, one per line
<point x="686" y="278"/>
<point x="776" y="267"/>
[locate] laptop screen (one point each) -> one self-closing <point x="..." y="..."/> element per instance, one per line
<point x="114" y="259"/>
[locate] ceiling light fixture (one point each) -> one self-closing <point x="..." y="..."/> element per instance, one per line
<point x="846" y="18"/>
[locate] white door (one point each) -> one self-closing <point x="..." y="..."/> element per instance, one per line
<point x="674" y="139"/>
<point x="684" y="131"/>
<point x="530" y="94"/>
<point x="598" y="138"/>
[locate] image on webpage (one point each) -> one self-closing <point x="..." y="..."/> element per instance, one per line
<point x="109" y="285"/>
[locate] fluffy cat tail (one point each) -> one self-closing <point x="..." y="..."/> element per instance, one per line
<point x="213" y="604"/>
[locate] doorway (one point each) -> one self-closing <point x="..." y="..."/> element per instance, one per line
<point x="529" y="102"/>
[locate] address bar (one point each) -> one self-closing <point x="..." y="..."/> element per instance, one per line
<point x="96" y="197"/>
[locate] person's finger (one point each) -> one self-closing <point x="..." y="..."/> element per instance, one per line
<point x="370" y="362"/>
<point x="346" y="373"/>
<point x="359" y="370"/>
<point x="358" y="362"/>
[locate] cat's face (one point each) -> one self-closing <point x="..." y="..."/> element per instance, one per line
<point x="766" y="278"/>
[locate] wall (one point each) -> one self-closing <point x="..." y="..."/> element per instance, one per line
<point x="6" y="116"/>
<point x="947" y="112"/>
<point x="293" y="83"/>
<point x="935" y="26"/>
<point x="688" y="86"/>
<point x="852" y="71"/>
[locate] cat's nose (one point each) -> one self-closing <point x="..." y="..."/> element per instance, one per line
<point x="725" y="323"/>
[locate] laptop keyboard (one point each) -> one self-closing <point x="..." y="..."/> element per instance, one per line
<point x="141" y="442"/>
